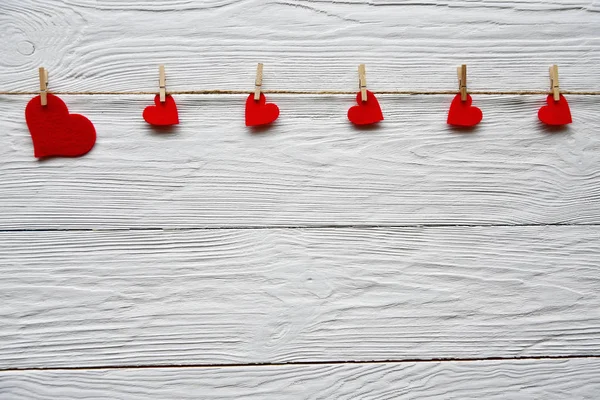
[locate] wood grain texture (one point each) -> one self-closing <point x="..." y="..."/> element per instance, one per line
<point x="575" y="379"/>
<point x="280" y="295"/>
<point x="312" y="168"/>
<point x="259" y="292"/>
<point x="107" y="45"/>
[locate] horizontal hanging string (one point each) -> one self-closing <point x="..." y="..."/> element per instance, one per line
<point x="317" y="92"/>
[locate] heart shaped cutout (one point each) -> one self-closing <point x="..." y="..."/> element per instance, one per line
<point x="555" y="112"/>
<point x="260" y="112"/>
<point x="162" y="114"/>
<point x="55" y="132"/>
<point x="462" y="113"/>
<point x="366" y="112"/>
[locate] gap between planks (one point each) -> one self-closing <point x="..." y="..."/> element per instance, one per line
<point x="285" y="364"/>
<point x="290" y="227"/>
<point x="315" y="92"/>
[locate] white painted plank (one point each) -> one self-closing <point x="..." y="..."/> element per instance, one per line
<point x="572" y="379"/>
<point x="108" y="45"/>
<point x="280" y="295"/>
<point x="311" y="168"/>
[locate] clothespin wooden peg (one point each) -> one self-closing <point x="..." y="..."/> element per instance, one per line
<point x="43" y="86"/>
<point x="362" y="82"/>
<point x="462" y="81"/>
<point x="554" y="87"/>
<point x="162" y="83"/>
<point x="258" y="81"/>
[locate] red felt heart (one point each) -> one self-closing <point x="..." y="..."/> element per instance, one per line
<point x="260" y="112"/>
<point x="462" y="113"/>
<point x="556" y="112"/>
<point x="55" y="132"/>
<point x="162" y="113"/>
<point x="366" y="112"/>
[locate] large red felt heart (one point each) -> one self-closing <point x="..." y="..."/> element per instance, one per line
<point x="55" y="132"/>
<point x="366" y="112"/>
<point x="556" y="112"/>
<point x="462" y="113"/>
<point x="259" y="112"/>
<point x="162" y="113"/>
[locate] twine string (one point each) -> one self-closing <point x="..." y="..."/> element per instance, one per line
<point x="314" y="92"/>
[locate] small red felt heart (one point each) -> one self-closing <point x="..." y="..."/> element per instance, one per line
<point x="260" y="112"/>
<point x="162" y="114"/>
<point x="366" y="112"/>
<point x="55" y="132"/>
<point x="462" y="113"/>
<point x="556" y="112"/>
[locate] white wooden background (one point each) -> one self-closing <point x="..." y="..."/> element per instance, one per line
<point x="310" y="260"/>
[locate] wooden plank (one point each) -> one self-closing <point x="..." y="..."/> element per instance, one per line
<point x="309" y="45"/>
<point x="312" y="167"/>
<point x="99" y="298"/>
<point x="526" y="379"/>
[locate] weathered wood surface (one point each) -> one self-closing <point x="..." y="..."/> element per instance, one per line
<point x="510" y="379"/>
<point x="152" y="297"/>
<point x="311" y="168"/>
<point x="280" y="295"/>
<point x="107" y="45"/>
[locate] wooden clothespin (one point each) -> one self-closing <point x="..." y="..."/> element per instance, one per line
<point x="162" y="83"/>
<point x="554" y="87"/>
<point x="362" y="82"/>
<point x="43" y="86"/>
<point x="258" y="81"/>
<point x="462" y="81"/>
